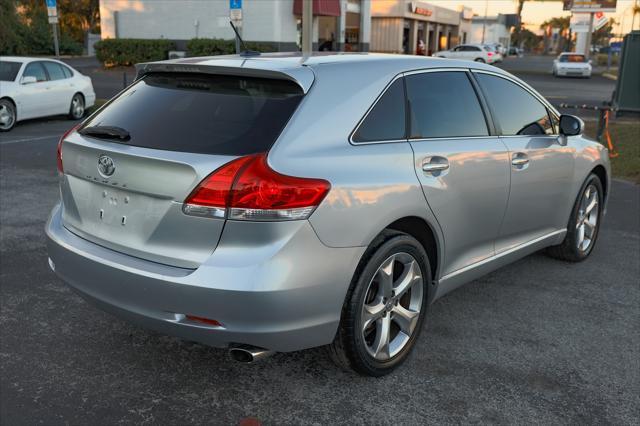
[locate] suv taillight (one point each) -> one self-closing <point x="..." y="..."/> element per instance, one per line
<point x="248" y="189"/>
<point x="59" y="151"/>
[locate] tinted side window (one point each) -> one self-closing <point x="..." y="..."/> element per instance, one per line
<point x="9" y="70"/>
<point x="516" y="110"/>
<point x="55" y="70"/>
<point x="67" y="72"/>
<point x="34" y="69"/>
<point x="444" y="104"/>
<point x="386" y="121"/>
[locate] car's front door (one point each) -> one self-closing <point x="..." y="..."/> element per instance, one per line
<point x="36" y="99"/>
<point x="541" y="162"/>
<point x="462" y="167"/>
<point x="456" y="52"/>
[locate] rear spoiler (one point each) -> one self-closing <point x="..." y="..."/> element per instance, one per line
<point x="301" y="75"/>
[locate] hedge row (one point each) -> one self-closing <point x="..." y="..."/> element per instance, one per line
<point x="130" y="51"/>
<point x="218" y="46"/>
<point x="602" y="58"/>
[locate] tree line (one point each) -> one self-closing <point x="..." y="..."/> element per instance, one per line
<point x="25" y="29"/>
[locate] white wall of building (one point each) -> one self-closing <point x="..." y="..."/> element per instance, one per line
<point x="263" y="20"/>
<point x="494" y="32"/>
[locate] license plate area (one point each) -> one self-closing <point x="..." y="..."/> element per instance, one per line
<point x="114" y="207"/>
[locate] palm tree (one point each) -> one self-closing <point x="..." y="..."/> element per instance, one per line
<point x="562" y="24"/>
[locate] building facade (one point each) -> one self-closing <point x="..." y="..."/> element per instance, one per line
<point x="405" y="26"/>
<point x="490" y="29"/>
<point x="338" y="24"/>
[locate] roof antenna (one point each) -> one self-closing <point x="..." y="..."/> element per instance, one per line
<point x="245" y="51"/>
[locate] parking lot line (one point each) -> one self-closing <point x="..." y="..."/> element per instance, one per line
<point x="27" y="140"/>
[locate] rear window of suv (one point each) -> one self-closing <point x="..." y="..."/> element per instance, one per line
<point x="205" y="114"/>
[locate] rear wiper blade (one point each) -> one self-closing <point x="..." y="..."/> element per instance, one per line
<point x="106" y="132"/>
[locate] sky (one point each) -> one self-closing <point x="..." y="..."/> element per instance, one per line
<point x="536" y="12"/>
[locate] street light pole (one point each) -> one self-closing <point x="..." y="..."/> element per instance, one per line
<point x="307" y="27"/>
<point x="55" y="40"/>
<point x="484" y="21"/>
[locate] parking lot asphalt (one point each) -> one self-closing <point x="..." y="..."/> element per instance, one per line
<point x="539" y="341"/>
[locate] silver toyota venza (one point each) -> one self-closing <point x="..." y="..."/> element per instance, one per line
<point x="277" y="202"/>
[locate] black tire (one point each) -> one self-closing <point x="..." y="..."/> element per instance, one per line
<point x="479" y="60"/>
<point x="77" y="111"/>
<point x="568" y="250"/>
<point x="348" y="349"/>
<point x="8" y="113"/>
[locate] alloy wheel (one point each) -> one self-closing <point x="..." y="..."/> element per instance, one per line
<point x="77" y="107"/>
<point x="392" y="305"/>
<point x="587" y="221"/>
<point x="7" y="116"/>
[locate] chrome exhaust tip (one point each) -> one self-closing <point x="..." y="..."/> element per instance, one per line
<point x="248" y="354"/>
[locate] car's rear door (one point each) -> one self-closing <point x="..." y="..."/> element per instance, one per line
<point x="60" y="86"/>
<point x="462" y="166"/>
<point x="469" y="53"/>
<point x="127" y="194"/>
<point x="541" y="162"/>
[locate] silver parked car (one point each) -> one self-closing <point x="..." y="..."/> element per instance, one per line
<point x="279" y="202"/>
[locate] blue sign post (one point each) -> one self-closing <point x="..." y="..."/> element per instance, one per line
<point x="235" y="14"/>
<point x="52" y="12"/>
<point x="235" y="10"/>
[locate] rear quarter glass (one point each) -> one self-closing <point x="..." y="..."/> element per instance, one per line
<point x="203" y="114"/>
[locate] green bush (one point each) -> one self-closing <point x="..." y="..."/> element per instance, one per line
<point x="130" y="51"/>
<point x="218" y="46"/>
<point x="601" y="59"/>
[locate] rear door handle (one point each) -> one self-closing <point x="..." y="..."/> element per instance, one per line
<point x="435" y="164"/>
<point x="519" y="159"/>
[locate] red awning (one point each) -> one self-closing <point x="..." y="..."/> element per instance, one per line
<point x="320" y="7"/>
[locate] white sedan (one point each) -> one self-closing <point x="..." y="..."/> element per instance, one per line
<point x="470" y="52"/>
<point x="571" y="65"/>
<point x="34" y="87"/>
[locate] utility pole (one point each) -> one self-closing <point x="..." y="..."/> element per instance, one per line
<point x="307" y="27"/>
<point x="587" y="48"/>
<point x="484" y="21"/>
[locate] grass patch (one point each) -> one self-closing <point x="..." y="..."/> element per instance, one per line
<point x="626" y="140"/>
<point x="97" y="104"/>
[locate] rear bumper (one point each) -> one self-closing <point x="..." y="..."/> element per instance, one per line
<point x="283" y="296"/>
<point x="90" y="99"/>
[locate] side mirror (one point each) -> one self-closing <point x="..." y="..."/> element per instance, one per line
<point x="570" y="125"/>
<point x="590" y="61"/>
<point x="28" y="79"/>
